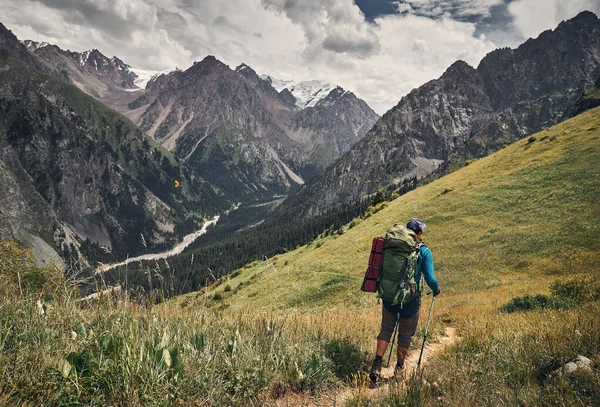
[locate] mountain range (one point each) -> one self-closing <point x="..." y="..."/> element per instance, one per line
<point x="467" y="113"/>
<point x="249" y="142"/>
<point x="444" y="125"/>
<point x="226" y="135"/>
<point x="232" y="135"/>
<point x="77" y="175"/>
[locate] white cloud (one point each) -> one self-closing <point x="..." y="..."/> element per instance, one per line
<point x="290" y="39"/>
<point x="457" y="8"/>
<point x="330" y="25"/>
<point x="532" y="17"/>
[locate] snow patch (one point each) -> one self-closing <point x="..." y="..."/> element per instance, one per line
<point x="307" y="93"/>
<point x="144" y="76"/>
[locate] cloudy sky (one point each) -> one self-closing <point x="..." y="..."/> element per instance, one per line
<point x="379" y="49"/>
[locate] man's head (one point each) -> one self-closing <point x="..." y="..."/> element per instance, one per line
<point x="417" y="226"/>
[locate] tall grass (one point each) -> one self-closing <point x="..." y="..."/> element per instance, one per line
<point x="121" y="354"/>
<point x="56" y="351"/>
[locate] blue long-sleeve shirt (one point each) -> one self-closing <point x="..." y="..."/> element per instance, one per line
<point x="424" y="268"/>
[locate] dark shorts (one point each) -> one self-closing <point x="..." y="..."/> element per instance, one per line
<point x="407" y="317"/>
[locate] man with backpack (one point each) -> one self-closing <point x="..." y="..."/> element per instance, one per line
<point x="405" y="260"/>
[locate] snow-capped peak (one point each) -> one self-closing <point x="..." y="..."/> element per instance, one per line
<point x="34" y="45"/>
<point x="307" y="93"/>
<point x="144" y="76"/>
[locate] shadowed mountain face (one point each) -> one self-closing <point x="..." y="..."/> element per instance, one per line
<point x="467" y="113"/>
<point x="72" y="169"/>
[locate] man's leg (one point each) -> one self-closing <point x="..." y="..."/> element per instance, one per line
<point x="406" y="330"/>
<point x="388" y="322"/>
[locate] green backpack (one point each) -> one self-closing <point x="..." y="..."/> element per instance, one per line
<point x="397" y="283"/>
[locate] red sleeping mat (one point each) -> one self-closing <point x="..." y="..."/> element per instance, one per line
<point x="375" y="265"/>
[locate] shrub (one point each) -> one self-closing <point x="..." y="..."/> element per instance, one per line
<point x="378" y="198"/>
<point x="536" y="302"/>
<point x="355" y="222"/>
<point x="531" y="139"/>
<point x="347" y="357"/>
<point x="579" y="290"/>
<point x="564" y="295"/>
<point x="19" y="275"/>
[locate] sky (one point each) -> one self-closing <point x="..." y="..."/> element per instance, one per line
<point x="378" y="49"/>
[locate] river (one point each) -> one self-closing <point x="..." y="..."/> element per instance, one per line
<point x="187" y="240"/>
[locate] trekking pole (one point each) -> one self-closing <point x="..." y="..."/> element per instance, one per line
<point x="426" y="330"/>
<point x="393" y="339"/>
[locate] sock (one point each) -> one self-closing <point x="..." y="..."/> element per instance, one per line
<point x="378" y="358"/>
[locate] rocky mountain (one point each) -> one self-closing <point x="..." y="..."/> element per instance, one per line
<point x="467" y="113"/>
<point x="76" y="175"/>
<point x="90" y="71"/>
<point x="324" y="120"/>
<point x="590" y="99"/>
<point x="212" y="119"/>
<point x="244" y="136"/>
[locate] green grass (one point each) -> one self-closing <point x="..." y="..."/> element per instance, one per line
<point x="505" y="225"/>
<point x="509" y="225"/>
<point x="592" y="94"/>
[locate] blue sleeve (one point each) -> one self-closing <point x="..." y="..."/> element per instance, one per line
<point x="427" y="269"/>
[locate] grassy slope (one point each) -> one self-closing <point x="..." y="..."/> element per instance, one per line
<point x="506" y="225"/>
<point x="502" y="226"/>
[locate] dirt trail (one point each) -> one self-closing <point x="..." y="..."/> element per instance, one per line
<point x="339" y="398"/>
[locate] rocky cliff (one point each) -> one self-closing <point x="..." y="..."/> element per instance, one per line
<point x="326" y="122"/>
<point x="78" y="174"/>
<point x="216" y="122"/>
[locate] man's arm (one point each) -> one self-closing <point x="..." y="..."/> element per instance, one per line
<point x="427" y="269"/>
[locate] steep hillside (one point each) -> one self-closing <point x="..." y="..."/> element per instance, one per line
<point x="504" y="225"/>
<point x="468" y="113"/>
<point x="78" y="173"/>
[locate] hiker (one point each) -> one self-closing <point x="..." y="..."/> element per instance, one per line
<point x="405" y="314"/>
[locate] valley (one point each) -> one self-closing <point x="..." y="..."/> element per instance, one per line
<point x="198" y="236"/>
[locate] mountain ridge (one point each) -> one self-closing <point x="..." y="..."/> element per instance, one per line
<point x="462" y="115"/>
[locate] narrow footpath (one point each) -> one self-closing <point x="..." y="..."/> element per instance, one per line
<point x="338" y="398"/>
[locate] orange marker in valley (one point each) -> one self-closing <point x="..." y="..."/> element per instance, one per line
<point x="176" y="184"/>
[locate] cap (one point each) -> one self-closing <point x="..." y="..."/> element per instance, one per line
<point x="416" y="225"/>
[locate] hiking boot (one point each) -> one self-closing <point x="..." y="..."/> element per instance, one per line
<point x="398" y="370"/>
<point x="401" y="355"/>
<point x="375" y="371"/>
